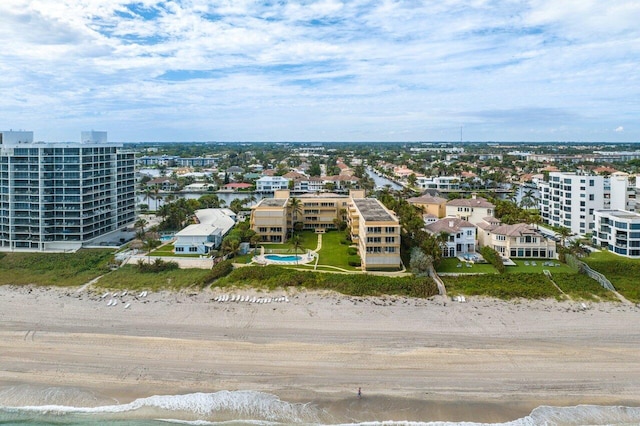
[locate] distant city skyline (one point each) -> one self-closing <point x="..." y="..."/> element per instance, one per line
<point x="321" y="71"/>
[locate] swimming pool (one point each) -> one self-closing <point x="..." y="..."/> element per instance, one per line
<point x="166" y="238"/>
<point x="283" y="258"/>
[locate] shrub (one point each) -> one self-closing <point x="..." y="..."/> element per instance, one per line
<point x="352" y="251"/>
<point x="528" y="286"/>
<point x="158" y="265"/>
<point x="219" y="270"/>
<point x="357" y="284"/>
<point x="354" y="261"/>
<point x="493" y="257"/>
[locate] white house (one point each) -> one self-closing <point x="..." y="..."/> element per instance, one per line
<point x="461" y="235"/>
<point x="206" y="235"/>
<point x="473" y="209"/>
<point x="271" y="183"/>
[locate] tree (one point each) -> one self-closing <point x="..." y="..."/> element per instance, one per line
<point x="412" y="179"/>
<point x="148" y="246"/>
<point x="420" y="263"/>
<point x="528" y="199"/>
<point x="209" y="201"/>
<point x="230" y="246"/>
<point x="563" y="233"/>
<point x="254" y="240"/>
<point x="296" y="244"/>
<point x="139" y="227"/>
<point x="236" y="205"/>
<point x="295" y="206"/>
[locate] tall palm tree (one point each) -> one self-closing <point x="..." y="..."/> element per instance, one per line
<point x="139" y="227"/>
<point x="296" y="244"/>
<point x="230" y="246"/>
<point x="564" y="233"/>
<point x="295" y="206"/>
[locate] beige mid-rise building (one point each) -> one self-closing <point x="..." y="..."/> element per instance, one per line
<point x="375" y="229"/>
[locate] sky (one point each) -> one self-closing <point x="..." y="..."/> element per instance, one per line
<point x="327" y="70"/>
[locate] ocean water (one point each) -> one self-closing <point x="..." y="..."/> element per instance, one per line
<point x="245" y="408"/>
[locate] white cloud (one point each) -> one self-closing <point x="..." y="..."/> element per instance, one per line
<point x="360" y="69"/>
<point x="619" y="129"/>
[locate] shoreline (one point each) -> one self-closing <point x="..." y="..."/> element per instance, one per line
<point x="484" y="360"/>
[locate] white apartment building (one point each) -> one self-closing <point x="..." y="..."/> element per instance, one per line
<point x="271" y="183"/>
<point x="58" y="196"/>
<point x="441" y="183"/>
<point x="570" y="200"/>
<point x="618" y="231"/>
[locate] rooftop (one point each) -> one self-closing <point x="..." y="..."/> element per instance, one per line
<point x="372" y="210"/>
<point x="620" y="214"/>
<point x="272" y="202"/>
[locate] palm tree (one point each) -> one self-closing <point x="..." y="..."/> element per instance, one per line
<point x="295" y="206"/>
<point x="254" y="240"/>
<point x="139" y="227"/>
<point x="296" y="244"/>
<point x="564" y="233"/>
<point x="528" y="199"/>
<point x="148" y="245"/>
<point x="230" y="246"/>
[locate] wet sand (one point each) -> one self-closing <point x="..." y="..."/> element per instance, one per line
<point x="484" y="360"/>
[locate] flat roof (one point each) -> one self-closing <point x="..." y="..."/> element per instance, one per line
<point x="273" y="202"/>
<point x="372" y="210"/>
<point x="622" y="214"/>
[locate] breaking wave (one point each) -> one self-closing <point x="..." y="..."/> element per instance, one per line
<point x="249" y="408"/>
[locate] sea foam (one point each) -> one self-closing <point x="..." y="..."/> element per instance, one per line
<point x="247" y="405"/>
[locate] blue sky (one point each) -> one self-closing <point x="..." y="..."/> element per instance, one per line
<point x="241" y="70"/>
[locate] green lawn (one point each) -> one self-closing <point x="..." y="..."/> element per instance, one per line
<point x="622" y="272"/>
<point x="526" y="281"/>
<point x="450" y="265"/>
<point x="54" y="269"/>
<point x="333" y="253"/>
<point x="309" y="241"/>
<point x="522" y="267"/>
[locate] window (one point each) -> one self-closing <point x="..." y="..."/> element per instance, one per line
<point x="390" y="229"/>
<point x="374" y="239"/>
<point x="374" y="229"/>
<point x="179" y="249"/>
<point x="193" y="249"/>
<point x="501" y="237"/>
<point x="390" y="249"/>
<point x="592" y="197"/>
<point x="389" y="240"/>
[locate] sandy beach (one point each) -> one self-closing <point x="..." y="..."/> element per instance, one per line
<point x="415" y="359"/>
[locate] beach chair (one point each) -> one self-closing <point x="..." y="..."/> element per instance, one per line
<point x="526" y="263"/>
<point x="534" y="264"/>
<point x="459" y="265"/>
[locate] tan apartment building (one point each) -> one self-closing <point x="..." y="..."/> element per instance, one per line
<point x="430" y="204"/>
<point x="269" y="219"/>
<point x="375" y="229"/>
